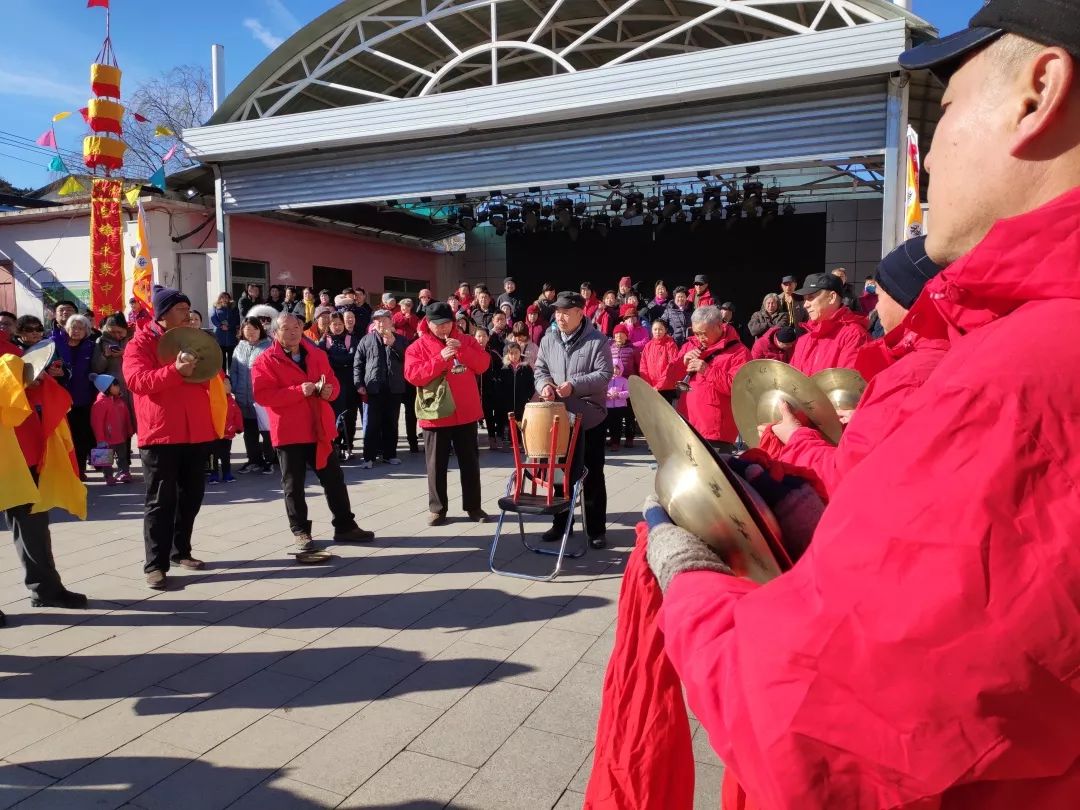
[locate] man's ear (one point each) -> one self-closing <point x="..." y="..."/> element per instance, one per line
<point x="1047" y="83"/>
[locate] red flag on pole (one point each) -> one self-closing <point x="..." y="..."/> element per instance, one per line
<point x="97" y="3"/>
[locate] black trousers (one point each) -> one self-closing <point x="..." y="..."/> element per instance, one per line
<point x="437" y="443"/>
<point x="381" y="430"/>
<point x="82" y="434"/>
<point x="33" y="542"/>
<point x="618" y="420"/>
<point x="221" y="456"/>
<point x="409" y="401"/>
<point x="256" y="453"/>
<point x="589" y="453"/>
<point x="295" y="460"/>
<point x="350" y="422"/>
<point x="226" y="358"/>
<point x="491" y="417"/>
<point x="175" y="483"/>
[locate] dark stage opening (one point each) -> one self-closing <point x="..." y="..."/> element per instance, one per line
<point x="744" y="261"/>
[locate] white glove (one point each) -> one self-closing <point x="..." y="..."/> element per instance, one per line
<point x="672" y="550"/>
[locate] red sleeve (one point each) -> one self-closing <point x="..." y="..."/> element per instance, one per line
<point x="644" y="371"/>
<point x="850" y="344"/>
<point x="420" y="367"/>
<point x="677" y="369"/>
<point x="268" y="390"/>
<point x="98" y="412"/>
<point x="809" y="449"/>
<point x="144" y="373"/>
<point x="476" y="359"/>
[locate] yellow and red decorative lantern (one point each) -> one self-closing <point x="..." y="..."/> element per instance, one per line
<point x="105" y="116"/>
<point x="105" y="80"/>
<point x="108" y="153"/>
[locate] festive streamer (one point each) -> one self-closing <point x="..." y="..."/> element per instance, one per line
<point x="60" y="116"/>
<point x="106" y="257"/>
<point x="169" y="154"/>
<point x="142" y="119"/>
<point x="142" y="277"/>
<point x="913" y="215"/>
<point x="162" y="131"/>
<point x="97" y="3"/>
<point x="57" y="165"/>
<point x="71" y="186"/>
<point x="47" y="138"/>
<point x="132" y="195"/>
<point x="157" y="179"/>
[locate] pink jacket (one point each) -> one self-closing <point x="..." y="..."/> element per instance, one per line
<point x="111" y="420"/>
<point x="622" y="392"/>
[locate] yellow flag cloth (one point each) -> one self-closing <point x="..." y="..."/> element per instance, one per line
<point x="16" y="483"/>
<point x="60" y="116"/>
<point x="162" y="131"/>
<point x="59" y="486"/>
<point x="219" y="405"/>
<point x="71" y="186"/>
<point x="132" y="194"/>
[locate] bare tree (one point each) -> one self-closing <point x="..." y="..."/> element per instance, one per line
<point x="178" y="99"/>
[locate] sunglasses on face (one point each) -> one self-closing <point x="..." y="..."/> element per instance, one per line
<point x="699" y="283"/>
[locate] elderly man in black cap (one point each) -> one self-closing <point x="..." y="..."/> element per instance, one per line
<point x="574" y="366"/>
<point x="792" y="303"/>
<point x="175" y="431"/>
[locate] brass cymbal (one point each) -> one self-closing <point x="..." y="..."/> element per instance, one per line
<point x="761" y="385"/>
<point x="843" y="386"/>
<point x="696" y="491"/>
<point x="36" y="359"/>
<point x="193" y="341"/>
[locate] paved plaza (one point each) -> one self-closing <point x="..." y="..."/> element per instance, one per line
<point x="402" y="674"/>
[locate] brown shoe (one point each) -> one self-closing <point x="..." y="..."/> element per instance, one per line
<point x="354" y="535"/>
<point x="156" y="580"/>
<point x="191" y="564"/>
<point x="479" y="516"/>
<point x="436" y="519"/>
<point x="302" y="543"/>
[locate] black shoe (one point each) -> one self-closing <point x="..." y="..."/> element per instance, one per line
<point x="246" y="468"/>
<point x="354" y="535"/>
<point x="267" y="469"/>
<point x="479" y="516"/>
<point x="414" y="448"/>
<point x="553" y="534"/>
<point x="66" y="599"/>
<point x="600" y="541"/>
<point x="3" y="619"/>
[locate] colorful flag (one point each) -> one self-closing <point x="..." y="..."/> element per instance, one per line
<point x="47" y="138"/>
<point x="142" y="276"/>
<point x="97" y="3"/>
<point x="132" y="195"/>
<point x="169" y="154"/>
<point x="57" y="165"/>
<point x="913" y="214"/>
<point x="60" y="116"/>
<point x="106" y="247"/>
<point x="71" y="186"/>
<point x="158" y="178"/>
<point x="85" y="113"/>
<point x="162" y="131"/>
<point x="142" y="119"/>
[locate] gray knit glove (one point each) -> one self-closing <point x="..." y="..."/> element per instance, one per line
<point x="673" y="550"/>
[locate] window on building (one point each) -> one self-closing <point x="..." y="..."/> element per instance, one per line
<point x="245" y="271"/>
<point x="333" y="279"/>
<point x="403" y="287"/>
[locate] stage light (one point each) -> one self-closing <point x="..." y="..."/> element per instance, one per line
<point x="190" y="193"/>
<point x="672" y="195"/>
<point x="614" y="183"/>
<point x="616" y="203"/>
<point x="425" y="199"/>
<point x="653" y="202"/>
<point x="460" y="197"/>
<point x="691" y="199"/>
<point x="546" y="210"/>
<point x="564" y="204"/>
<point x="789" y="209"/>
<point x="499" y="223"/>
<point x="580" y="208"/>
<point x="392" y="203"/>
<point x="515" y="213"/>
<point x="658" y="178"/>
<point x="467" y="211"/>
<point x="498" y="209"/>
<point x="483" y="215"/>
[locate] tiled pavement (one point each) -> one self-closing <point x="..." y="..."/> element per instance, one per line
<point x="402" y="674"/>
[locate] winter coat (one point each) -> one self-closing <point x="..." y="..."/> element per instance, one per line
<point x="832" y="343"/>
<point x="514" y="388"/>
<point x="639" y="336"/>
<point x="517" y="313"/>
<point x="762" y="321"/>
<point x="627" y="356"/>
<point x="168" y="409"/>
<point x="277" y="381"/>
<point x="584" y="362"/>
<point x="367" y="373"/>
<point x="655" y="361"/>
<point x="295" y="307"/>
<point x="765" y="347"/>
<point x="497" y="342"/>
<point x="528" y="354"/>
<point x="606" y="319"/>
<point x="405" y="325"/>
<point x="592" y="306"/>
<point x="795" y="310"/>
<point x="245" y="302"/>
<point x="424" y="363"/>
<point x="482" y="317"/>
<point x="234" y="420"/>
<point x="103" y="362"/>
<point x="621" y="388"/>
<point x="708" y="402"/>
<point x="77" y="360"/>
<point x="935" y="611"/>
<point x="912" y="359"/>
<point x="678" y="321"/>
<point x="341" y="352"/>
<point x="653" y="310"/>
<point x="227" y="316"/>
<point x="487" y="380"/>
<point x="703" y="300"/>
<point x="111" y="420"/>
<point x="243" y="358"/>
<point x="536" y="333"/>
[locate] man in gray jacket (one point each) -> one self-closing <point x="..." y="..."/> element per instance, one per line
<point x="574" y="366"/>
<point x="379" y="372"/>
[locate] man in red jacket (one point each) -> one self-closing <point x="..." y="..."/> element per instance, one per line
<point x="924" y="653"/>
<point x="776" y="344"/>
<point x="175" y="430"/>
<point x="712" y="358"/>
<point x="294" y="382"/>
<point x="834" y="333"/>
<point x="435" y="354"/>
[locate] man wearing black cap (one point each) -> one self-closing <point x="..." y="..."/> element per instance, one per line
<point x="574" y="366"/>
<point x="175" y="431"/>
<point x="924" y="652"/>
<point x="790" y="302"/>
<point x="776" y="344"/>
<point x="546" y="303"/>
<point x="701" y="295"/>
<point x="834" y="333"/>
<point x="510" y="296"/>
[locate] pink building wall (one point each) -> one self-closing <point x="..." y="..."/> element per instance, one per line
<point x="292" y="251"/>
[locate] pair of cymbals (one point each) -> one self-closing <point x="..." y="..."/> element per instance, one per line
<point x="761" y="385"/>
<point x="197" y="343"/>
<point x="702" y="495"/>
<point x="36" y="359"/>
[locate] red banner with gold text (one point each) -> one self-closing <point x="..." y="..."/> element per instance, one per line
<point x="106" y="258"/>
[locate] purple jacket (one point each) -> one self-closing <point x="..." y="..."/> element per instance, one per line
<point x="622" y="397"/>
<point x="627" y="357"/>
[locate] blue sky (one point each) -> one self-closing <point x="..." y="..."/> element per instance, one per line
<point x="44" y="65"/>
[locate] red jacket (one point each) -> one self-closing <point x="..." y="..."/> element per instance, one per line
<point x="765" y="348"/>
<point x="704" y="300"/>
<point x="833" y="343"/>
<point x="591" y="306"/>
<point x="656" y="359"/>
<point x="168" y="410"/>
<point x="111" y="420"/>
<point x="424" y="363"/>
<point x="276" y="382"/>
<point x="234" y="420"/>
<point x="405" y="325"/>
<point x="708" y="402"/>
<point x="879" y="413"/>
<point x="7" y="347"/>
<point x="924" y="652"/>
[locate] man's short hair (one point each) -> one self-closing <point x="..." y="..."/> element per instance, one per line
<point x="63" y="302"/>
<point x="707" y="316"/>
<point x="275" y="324"/>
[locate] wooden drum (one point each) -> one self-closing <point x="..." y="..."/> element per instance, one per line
<point x="538" y="421"/>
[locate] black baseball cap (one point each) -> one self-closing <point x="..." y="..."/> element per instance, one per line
<point x="701" y="279"/>
<point x="787" y="280"/>
<point x="1048" y="22"/>
<point x="821" y="281"/>
<point x="439" y="313"/>
<point x="568" y="299"/>
<point x="728" y="305"/>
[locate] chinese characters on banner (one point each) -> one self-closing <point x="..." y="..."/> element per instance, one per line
<point x="106" y="257"/>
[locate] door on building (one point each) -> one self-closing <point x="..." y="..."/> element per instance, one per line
<point x="194" y="278"/>
<point x="7" y="285"/>
<point x="330" y="278"/>
<point x="244" y="272"/>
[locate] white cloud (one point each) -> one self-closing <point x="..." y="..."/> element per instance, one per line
<point x="28" y="84"/>
<point x="262" y="33"/>
<point x="283" y="16"/>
